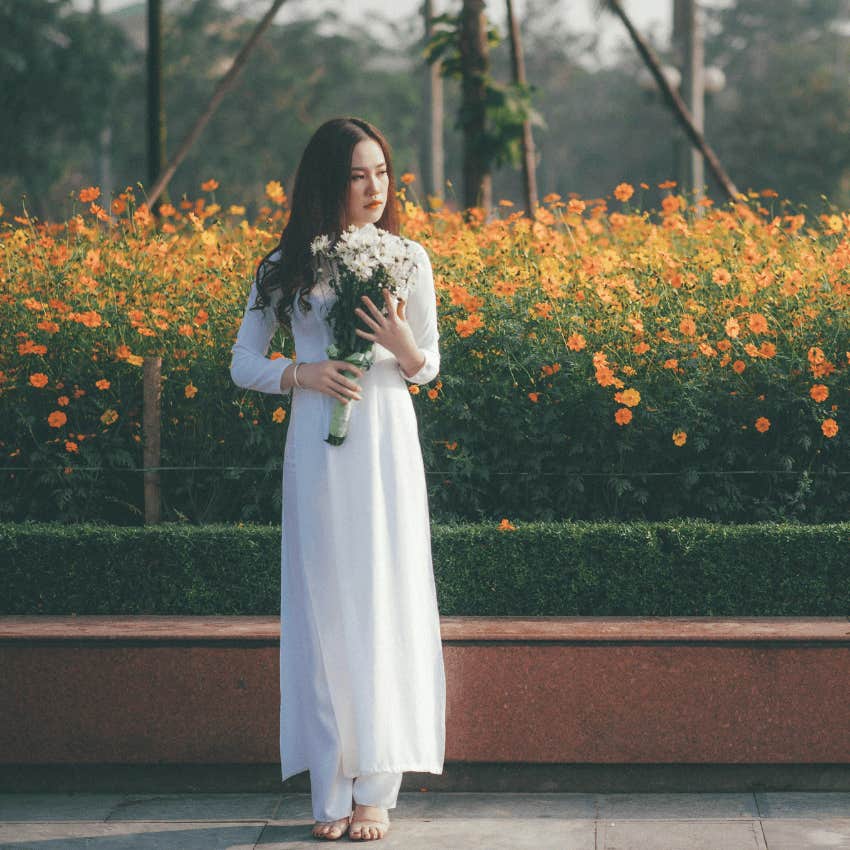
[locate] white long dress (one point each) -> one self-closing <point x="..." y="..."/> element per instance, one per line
<point x="359" y="613"/>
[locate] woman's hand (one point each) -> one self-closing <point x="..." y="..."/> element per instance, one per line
<point x="326" y="376"/>
<point x="391" y="331"/>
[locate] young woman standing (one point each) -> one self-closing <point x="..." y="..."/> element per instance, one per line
<point x="362" y="681"/>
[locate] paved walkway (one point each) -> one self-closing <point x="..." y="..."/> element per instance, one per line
<point x="433" y="821"/>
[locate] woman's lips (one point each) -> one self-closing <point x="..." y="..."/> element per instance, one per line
<point x="374" y="204"/>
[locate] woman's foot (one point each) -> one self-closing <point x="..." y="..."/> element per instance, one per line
<point x="331" y="829"/>
<point x="369" y="823"/>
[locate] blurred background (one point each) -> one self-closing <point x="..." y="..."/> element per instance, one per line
<point x="73" y="83"/>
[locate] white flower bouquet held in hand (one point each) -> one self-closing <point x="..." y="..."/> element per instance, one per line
<point x="363" y="261"/>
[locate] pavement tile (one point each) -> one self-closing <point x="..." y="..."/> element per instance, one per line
<point x="79" y="835"/>
<point x="720" y="805"/>
<point x="803" y="804"/>
<point x="680" y="835"/>
<point x="195" y="807"/>
<point x="48" y="807"/>
<point x="463" y="805"/>
<point x="423" y="834"/>
<point x="833" y="834"/>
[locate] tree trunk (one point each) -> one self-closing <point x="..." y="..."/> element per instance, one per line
<point x="434" y="158"/>
<point x="475" y="64"/>
<point x="156" y="108"/>
<point x="680" y="111"/>
<point x="518" y="65"/>
<point x="688" y="50"/>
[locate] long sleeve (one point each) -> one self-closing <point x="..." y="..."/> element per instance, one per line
<point x="421" y="315"/>
<point x="249" y="366"/>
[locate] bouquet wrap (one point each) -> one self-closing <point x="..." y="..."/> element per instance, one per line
<point x="342" y="409"/>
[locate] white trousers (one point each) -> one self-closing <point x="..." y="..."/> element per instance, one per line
<point x="332" y="792"/>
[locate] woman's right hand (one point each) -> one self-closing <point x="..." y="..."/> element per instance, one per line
<point x="326" y="376"/>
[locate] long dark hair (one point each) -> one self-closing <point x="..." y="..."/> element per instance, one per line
<point x="318" y="205"/>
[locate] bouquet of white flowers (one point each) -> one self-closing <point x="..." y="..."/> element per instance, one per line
<point x="363" y="261"/>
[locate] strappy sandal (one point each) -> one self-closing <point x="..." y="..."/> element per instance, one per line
<point x="341" y="828"/>
<point x="361" y="822"/>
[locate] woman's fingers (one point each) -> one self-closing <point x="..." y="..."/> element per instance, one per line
<point x="367" y="318"/>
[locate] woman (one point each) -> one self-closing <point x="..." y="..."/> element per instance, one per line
<point x="361" y="668"/>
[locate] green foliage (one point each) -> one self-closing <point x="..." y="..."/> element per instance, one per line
<point x="674" y="569"/>
<point x="506" y="106"/>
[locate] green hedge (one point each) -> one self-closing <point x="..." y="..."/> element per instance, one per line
<point x="677" y="568"/>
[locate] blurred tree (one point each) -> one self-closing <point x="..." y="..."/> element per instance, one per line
<point x="783" y="119"/>
<point x="58" y="75"/>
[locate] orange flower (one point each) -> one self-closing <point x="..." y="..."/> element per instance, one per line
<point x="413" y="389"/>
<point x="829" y="427"/>
<point x="505" y="203"/>
<point x="757" y="323"/>
<point x="90" y="194"/>
<point x="39" y="379"/>
<point x="534" y="397"/>
<point x="57" y="419"/>
<point x="623" y="416"/>
<point x="70" y="446"/>
<point x="819" y="392"/>
<point x="576" y="207"/>
<point x="407" y="178"/>
<point x="762" y="424"/>
<point x="732" y="327"/>
<point x="467" y="327"/>
<point x="506" y="525"/>
<point x="102" y="384"/>
<point x="279" y="415"/>
<point x="739" y="366"/>
<point x="687" y="326"/>
<point x="190" y="390"/>
<point x="623" y="192"/>
<point x="109" y="416"/>
<point x="210" y="185"/>
<point x="432" y="394"/>
<point x="63" y="401"/>
<point x="721" y="276"/>
<point x="680" y="437"/>
<point x="451" y="446"/>
<point x="630" y="397"/>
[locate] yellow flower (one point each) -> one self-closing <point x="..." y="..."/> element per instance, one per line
<point x="279" y="415"/>
<point x="274" y="192"/>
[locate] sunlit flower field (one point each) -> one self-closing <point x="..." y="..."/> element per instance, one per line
<point x="599" y="360"/>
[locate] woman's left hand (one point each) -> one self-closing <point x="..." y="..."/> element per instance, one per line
<point x="391" y="331"/>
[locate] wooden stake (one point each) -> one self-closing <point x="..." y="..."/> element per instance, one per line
<point x="151" y="430"/>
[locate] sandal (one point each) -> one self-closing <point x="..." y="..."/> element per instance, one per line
<point x="360" y="823"/>
<point x="338" y="827"/>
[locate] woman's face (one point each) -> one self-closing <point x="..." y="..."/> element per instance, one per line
<point x="368" y="184"/>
